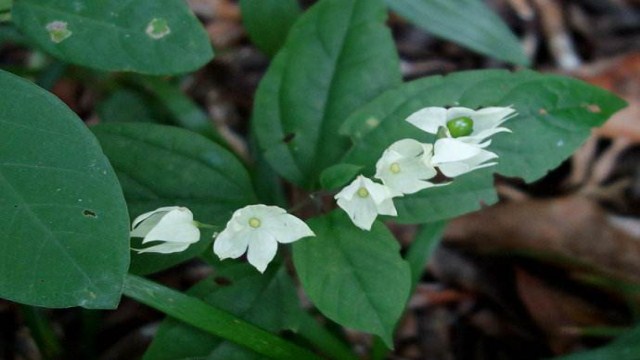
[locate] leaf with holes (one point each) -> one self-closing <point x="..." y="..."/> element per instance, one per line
<point x="64" y="235"/>
<point x="555" y="115"/>
<point x="140" y="36"/>
<point x="356" y="278"/>
<point x="165" y="166"/>
<point x="267" y="300"/>
<point x="338" y="56"/>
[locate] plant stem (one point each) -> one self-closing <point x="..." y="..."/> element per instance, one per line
<point x="42" y="332"/>
<point x="212" y="320"/>
<point x="323" y="339"/>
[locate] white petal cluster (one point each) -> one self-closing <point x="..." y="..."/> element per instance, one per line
<point x="486" y="121"/>
<point x="407" y="166"/>
<point x="257" y="230"/>
<point x="364" y="200"/>
<point x="456" y="154"/>
<point x="455" y="158"/>
<point x="172" y="225"/>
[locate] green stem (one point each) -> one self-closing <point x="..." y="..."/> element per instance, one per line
<point x="206" y="226"/>
<point x="212" y="320"/>
<point x="42" y="332"/>
<point x="323" y="339"/>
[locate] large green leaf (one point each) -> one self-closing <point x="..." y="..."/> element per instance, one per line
<point x="152" y="37"/>
<point x="356" y="278"/>
<point x="65" y="229"/>
<point x="469" y="23"/>
<point x="338" y="56"/>
<point x="267" y="300"/>
<point x="555" y="115"/>
<point x="466" y="194"/>
<point x="165" y="166"/>
<point x="268" y="21"/>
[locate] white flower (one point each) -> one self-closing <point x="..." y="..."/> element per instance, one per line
<point x="172" y="225"/>
<point x="363" y="200"/>
<point x="405" y="166"/>
<point x="466" y="125"/>
<point x="455" y="158"/>
<point x="257" y="230"/>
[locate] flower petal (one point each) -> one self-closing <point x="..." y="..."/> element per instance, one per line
<point x="448" y="150"/>
<point x="491" y="117"/>
<point x="286" y="228"/>
<point x="262" y="249"/>
<point x="142" y="228"/>
<point x="456" y="112"/>
<point x="177" y="226"/>
<point x="457" y="168"/>
<point x="429" y="119"/>
<point x="386" y="208"/>
<point x="164" y="248"/>
<point x="362" y="212"/>
<point x="350" y="190"/>
<point x="146" y="215"/>
<point x="230" y="244"/>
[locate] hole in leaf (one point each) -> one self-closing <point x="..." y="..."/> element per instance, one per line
<point x="593" y="108"/>
<point x="89" y="213"/>
<point x="287" y="138"/>
<point x="222" y="281"/>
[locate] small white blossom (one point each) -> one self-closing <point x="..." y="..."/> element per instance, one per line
<point x="172" y="225"/>
<point x="257" y="230"/>
<point x="454" y="157"/>
<point x="363" y="200"/>
<point x="406" y="166"/>
<point x="466" y="125"/>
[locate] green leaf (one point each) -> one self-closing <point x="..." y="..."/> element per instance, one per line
<point x="183" y="110"/>
<point x="555" y="115"/>
<point x="338" y="175"/>
<point x="213" y="320"/>
<point x="125" y="106"/>
<point x="65" y="229"/>
<point x="5" y="5"/>
<point x="356" y="278"/>
<point x="467" y="193"/>
<point x="338" y="56"/>
<point x="152" y="37"/>
<point x="165" y="166"/>
<point x="625" y="347"/>
<point x="268" y="301"/>
<point x="469" y="23"/>
<point x="268" y="21"/>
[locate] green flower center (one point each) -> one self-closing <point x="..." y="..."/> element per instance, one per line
<point x="395" y="168"/>
<point x="461" y="126"/>
<point x="255" y="222"/>
<point x="363" y="193"/>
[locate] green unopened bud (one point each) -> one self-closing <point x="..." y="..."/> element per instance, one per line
<point x="461" y="126"/>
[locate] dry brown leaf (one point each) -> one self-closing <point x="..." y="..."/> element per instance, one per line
<point x="622" y="77"/>
<point x="553" y="309"/>
<point x="573" y="228"/>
